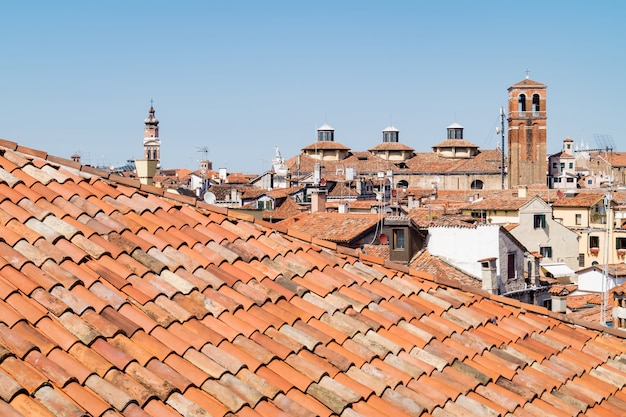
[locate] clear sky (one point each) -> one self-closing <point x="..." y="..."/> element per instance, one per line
<point x="240" y="77"/>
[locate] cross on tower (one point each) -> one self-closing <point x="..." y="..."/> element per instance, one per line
<point x="527" y="72"/>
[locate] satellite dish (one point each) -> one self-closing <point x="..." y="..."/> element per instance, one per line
<point x="209" y="197"/>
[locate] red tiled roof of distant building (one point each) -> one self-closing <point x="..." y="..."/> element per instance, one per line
<point x="501" y="202"/>
<point x="456" y="143"/>
<point x="381" y="251"/>
<point x="237" y="178"/>
<point x="391" y="146"/>
<point x="562" y="289"/>
<point x="334" y="227"/>
<point x="582" y="199"/>
<point x="527" y="82"/>
<point x="424" y="261"/>
<point x="438" y="216"/>
<point x="287" y="209"/>
<point x="325" y="145"/>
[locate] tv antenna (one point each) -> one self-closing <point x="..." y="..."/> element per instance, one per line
<point x="500" y="130"/>
<point x="205" y="152"/>
<point x="604" y="142"/>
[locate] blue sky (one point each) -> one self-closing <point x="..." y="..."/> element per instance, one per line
<point x="241" y="77"/>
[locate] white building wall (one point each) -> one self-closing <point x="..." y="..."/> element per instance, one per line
<point x="591" y="281"/>
<point x="463" y="247"/>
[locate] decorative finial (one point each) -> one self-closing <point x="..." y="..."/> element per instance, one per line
<point x="527" y="72"/>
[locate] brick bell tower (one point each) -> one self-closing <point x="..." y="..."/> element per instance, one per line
<point x="527" y="133"/>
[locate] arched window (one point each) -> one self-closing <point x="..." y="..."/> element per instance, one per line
<point x="536" y="103"/>
<point x="521" y="103"/>
<point x="477" y="185"/>
<point x="402" y="184"/>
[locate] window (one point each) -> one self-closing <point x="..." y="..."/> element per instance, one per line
<point x="511" y="266"/>
<point x="477" y="185"/>
<point x="570" y="180"/>
<point x="481" y="215"/>
<point x="325" y="136"/>
<point x="521" y="103"/>
<point x="546" y="251"/>
<point x="398" y="239"/>
<point x="594" y="242"/>
<point x="581" y="260"/>
<point x="571" y="165"/>
<point x="536" y="103"/>
<point x="579" y="218"/>
<point x="620" y="243"/>
<point x="264" y="204"/>
<point x="562" y="166"/>
<point x="403" y="184"/>
<point x="553" y="165"/>
<point x="540" y="221"/>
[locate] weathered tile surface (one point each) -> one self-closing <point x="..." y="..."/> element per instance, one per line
<point x="118" y="302"/>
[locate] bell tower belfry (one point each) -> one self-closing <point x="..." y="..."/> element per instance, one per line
<point x="527" y="133"/>
<point x="151" y="141"/>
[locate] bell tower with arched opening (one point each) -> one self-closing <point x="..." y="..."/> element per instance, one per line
<point x="527" y="133"/>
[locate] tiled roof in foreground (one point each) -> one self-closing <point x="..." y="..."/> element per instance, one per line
<point x="119" y="300"/>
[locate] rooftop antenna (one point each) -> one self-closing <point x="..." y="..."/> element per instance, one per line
<point x="205" y="157"/>
<point x="500" y="130"/>
<point x="605" y="270"/>
<point x="205" y="152"/>
<point x="604" y="142"/>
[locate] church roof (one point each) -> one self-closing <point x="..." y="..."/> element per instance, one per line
<point x="151" y="119"/>
<point x="527" y="82"/>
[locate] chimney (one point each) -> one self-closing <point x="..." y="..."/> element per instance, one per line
<point x="522" y="192"/>
<point x="318" y="201"/>
<point x="146" y="168"/>
<point x="490" y="275"/>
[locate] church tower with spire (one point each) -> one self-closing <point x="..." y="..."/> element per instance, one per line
<point x="151" y="141"/>
<point x="527" y="133"/>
